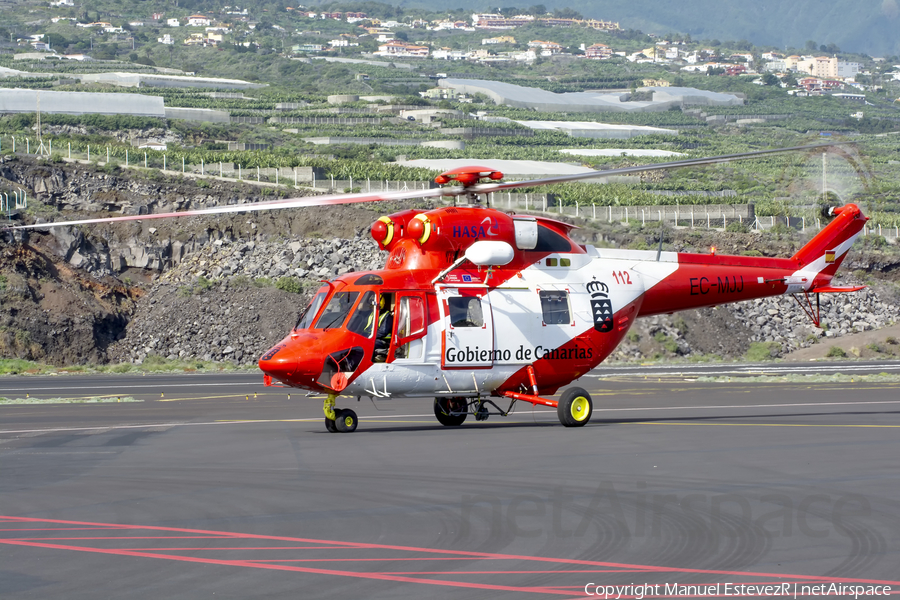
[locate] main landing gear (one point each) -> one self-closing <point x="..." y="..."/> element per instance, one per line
<point x="339" y="420"/>
<point x="574" y="408"/>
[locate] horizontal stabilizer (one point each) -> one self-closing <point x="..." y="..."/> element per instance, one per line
<point x="834" y="289"/>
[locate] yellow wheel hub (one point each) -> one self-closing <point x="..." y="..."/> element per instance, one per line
<point x="579" y="408"/>
<point x="348" y="421"/>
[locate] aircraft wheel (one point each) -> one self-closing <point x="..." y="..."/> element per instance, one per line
<point x="330" y="426"/>
<point x="346" y="420"/>
<point x="443" y="407"/>
<point x="574" y="407"/>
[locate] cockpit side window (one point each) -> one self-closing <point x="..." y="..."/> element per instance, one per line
<point x="336" y="311"/>
<point x="363" y="320"/>
<point x="307" y="316"/>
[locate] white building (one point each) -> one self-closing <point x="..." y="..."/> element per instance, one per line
<point x="402" y="49"/>
<point x="198" y="21"/>
<point x="173" y="23"/>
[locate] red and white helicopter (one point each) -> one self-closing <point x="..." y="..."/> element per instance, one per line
<point x="476" y="304"/>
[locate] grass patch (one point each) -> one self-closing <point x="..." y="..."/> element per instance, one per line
<point x="762" y="351"/>
<point x="811" y="378"/>
<point x="152" y="364"/>
<point x="17" y="366"/>
<point x="158" y="364"/>
<point x="88" y="400"/>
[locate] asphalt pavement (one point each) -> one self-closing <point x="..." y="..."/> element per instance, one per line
<point x="215" y="486"/>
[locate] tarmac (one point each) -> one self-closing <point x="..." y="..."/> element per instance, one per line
<point x="215" y="486"/>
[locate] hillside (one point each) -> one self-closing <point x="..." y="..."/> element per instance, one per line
<point x="867" y="26"/>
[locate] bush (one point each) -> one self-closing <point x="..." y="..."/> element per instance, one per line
<point x="737" y="227"/>
<point x="760" y="351"/>
<point x="289" y="284"/>
<point x="836" y="352"/>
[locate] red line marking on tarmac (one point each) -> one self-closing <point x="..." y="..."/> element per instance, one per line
<point x="240" y="548"/>
<point x="354" y="545"/>
<point x="136" y="537"/>
<point x="241" y="563"/>
<point x="56" y="529"/>
<point x="366" y="559"/>
<point x="514" y="573"/>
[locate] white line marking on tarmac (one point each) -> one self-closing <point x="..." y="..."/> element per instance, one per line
<point x="746" y="370"/>
<point x="599" y="412"/>
<point x="130" y="387"/>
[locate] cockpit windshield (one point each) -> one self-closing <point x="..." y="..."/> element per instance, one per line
<point x="363" y="319"/>
<point x="307" y="316"/>
<point x="337" y="310"/>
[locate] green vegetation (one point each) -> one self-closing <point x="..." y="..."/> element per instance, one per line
<point x="86" y="400"/>
<point x="290" y="284"/>
<point x="836" y="352"/>
<point x="667" y="342"/>
<point x="762" y="351"/>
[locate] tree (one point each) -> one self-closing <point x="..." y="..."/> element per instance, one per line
<point x="789" y="80"/>
<point x="770" y="79"/>
<point x="567" y="13"/>
<point x="811" y="45"/>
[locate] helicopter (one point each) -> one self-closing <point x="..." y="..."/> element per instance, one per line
<point x="476" y="306"/>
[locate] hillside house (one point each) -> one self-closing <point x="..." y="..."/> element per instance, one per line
<point x="398" y="49"/>
<point x="547" y="48"/>
<point x="503" y="39"/>
<point x="198" y="21"/>
<point x="598" y="52"/>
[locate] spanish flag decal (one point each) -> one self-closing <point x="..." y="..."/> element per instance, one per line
<point x="829" y="257"/>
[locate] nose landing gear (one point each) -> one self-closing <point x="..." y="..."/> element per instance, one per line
<point x="339" y="420"/>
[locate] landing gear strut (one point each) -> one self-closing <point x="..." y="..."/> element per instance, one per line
<point x="339" y="420"/>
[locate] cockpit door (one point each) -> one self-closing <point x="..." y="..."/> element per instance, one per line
<point x="410" y="328"/>
<point x="468" y="328"/>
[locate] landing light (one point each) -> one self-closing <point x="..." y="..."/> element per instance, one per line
<point x="712" y="250"/>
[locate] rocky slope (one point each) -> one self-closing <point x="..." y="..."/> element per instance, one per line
<point x="227" y="288"/>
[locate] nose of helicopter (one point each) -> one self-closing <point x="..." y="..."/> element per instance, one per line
<point x="280" y="362"/>
<point x="291" y="361"/>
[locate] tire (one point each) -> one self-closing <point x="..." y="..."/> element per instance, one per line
<point x="346" y="421"/>
<point x="330" y="426"/>
<point x="442" y="408"/>
<point x="575" y="407"/>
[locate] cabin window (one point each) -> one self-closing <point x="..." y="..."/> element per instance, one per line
<point x="363" y="320"/>
<point x="555" y="307"/>
<point x="411" y="320"/>
<point x="337" y="310"/>
<point x="307" y="316"/>
<point x="465" y="311"/>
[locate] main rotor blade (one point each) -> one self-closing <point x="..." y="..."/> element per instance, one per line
<point x="335" y="199"/>
<point x="304" y="202"/>
<point x="688" y="162"/>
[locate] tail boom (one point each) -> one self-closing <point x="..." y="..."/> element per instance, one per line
<point x="703" y="280"/>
